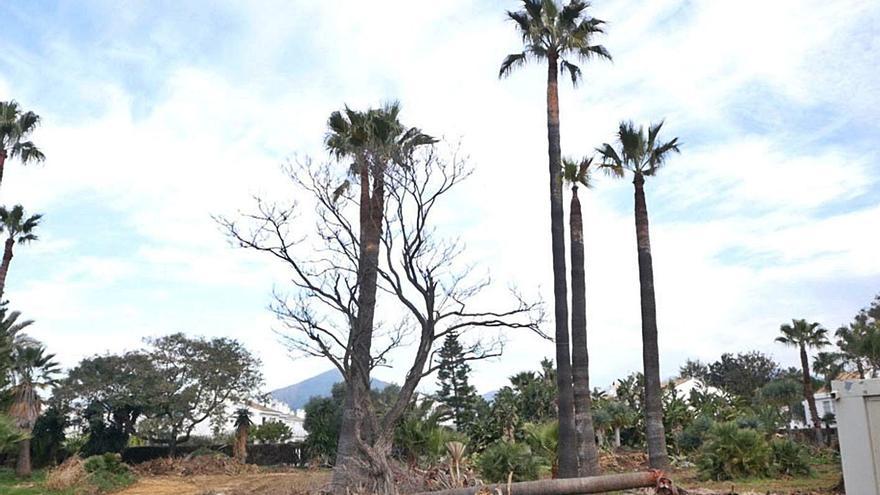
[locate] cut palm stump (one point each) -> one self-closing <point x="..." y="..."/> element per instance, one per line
<point x="572" y="486"/>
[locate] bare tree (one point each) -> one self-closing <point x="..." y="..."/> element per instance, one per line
<point x="422" y="283"/>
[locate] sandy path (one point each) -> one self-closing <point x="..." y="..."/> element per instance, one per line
<point x="257" y="484"/>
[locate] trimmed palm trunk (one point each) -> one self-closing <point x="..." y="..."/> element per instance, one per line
<point x="361" y="337"/>
<point x="4" y="266"/>
<point x="2" y="163"/>
<point x="808" y="395"/>
<point x="656" y="435"/>
<point x="239" y="449"/>
<point x="568" y="465"/>
<point x="588" y="454"/>
<point x="23" y="463"/>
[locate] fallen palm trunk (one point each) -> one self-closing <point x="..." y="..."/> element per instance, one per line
<point x="571" y="486"/>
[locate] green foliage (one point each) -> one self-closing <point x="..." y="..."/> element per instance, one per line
<point x="420" y="437"/>
<point x="10" y="434"/>
<point x="271" y="432"/>
<point x="501" y="458"/>
<point x="107" y="473"/>
<point x="48" y="437"/>
<point x="730" y="452"/>
<point x="741" y="375"/>
<point x="456" y="392"/>
<point x="692" y="436"/>
<point x="790" y="458"/>
<point x="543" y="440"/>
<point x="322" y="422"/>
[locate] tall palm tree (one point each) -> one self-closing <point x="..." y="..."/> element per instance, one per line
<point x="19" y="229"/>
<point x="16" y="126"/>
<point x="803" y="336"/>
<point x="588" y="455"/>
<point x="642" y="155"/>
<point x="559" y="36"/>
<point x="374" y="140"/>
<point x="32" y="371"/>
<point x="10" y="336"/>
<point x="242" y="425"/>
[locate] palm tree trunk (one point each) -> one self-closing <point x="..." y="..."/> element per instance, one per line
<point x="656" y="435"/>
<point x="617" y="437"/>
<point x="568" y="465"/>
<point x="811" y="400"/>
<point x="4" y="266"/>
<point x="361" y="336"/>
<point x="23" y="463"/>
<point x="2" y="163"/>
<point x="588" y="454"/>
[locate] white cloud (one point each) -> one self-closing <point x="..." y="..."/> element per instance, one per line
<point x="734" y="219"/>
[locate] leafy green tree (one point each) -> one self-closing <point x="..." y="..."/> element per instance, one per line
<point x="559" y="37"/>
<point x="32" y="371"/>
<point x="860" y="341"/>
<point x="195" y="379"/>
<point x="803" y="336"/>
<point x="742" y="374"/>
<point x="16" y="127"/>
<point x="271" y="432"/>
<point x="641" y="154"/>
<point x="576" y="174"/>
<point x="456" y="392"/>
<point x="19" y="229"/>
<point x="322" y="423"/>
<point x="48" y="436"/>
<point x="693" y="368"/>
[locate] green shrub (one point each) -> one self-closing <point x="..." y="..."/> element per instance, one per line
<point x="730" y="452"/>
<point x="502" y="458"/>
<point x="790" y="458"/>
<point x="692" y="437"/>
<point x="107" y="473"/>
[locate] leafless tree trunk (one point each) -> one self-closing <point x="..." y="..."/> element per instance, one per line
<point x="420" y="282"/>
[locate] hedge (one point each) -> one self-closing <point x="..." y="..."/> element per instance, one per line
<point x="260" y="454"/>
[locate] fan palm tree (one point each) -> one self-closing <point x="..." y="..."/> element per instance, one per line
<point x="242" y="425"/>
<point x="374" y="140"/>
<point x="559" y="36"/>
<point x="642" y="155"/>
<point x="16" y="126"/>
<point x="576" y="174"/>
<point x="19" y="229"/>
<point x="10" y="336"/>
<point x="32" y="371"/>
<point x="620" y="416"/>
<point x="803" y="336"/>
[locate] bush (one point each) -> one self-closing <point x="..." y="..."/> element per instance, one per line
<point x="502" y="458"/>
<point x="107" y="472"/>
<point x="693" y="435"/>
<point x="790" y="458"/>
<point x="730" y="452"/>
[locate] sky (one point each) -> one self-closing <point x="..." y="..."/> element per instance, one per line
<point x="158" y="115"/>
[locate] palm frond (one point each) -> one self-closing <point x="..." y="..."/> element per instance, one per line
<point x="511" y="62"/>
<point x="573" y="70"/>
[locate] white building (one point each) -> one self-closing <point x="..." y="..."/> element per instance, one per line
<point x="260" y="414"/>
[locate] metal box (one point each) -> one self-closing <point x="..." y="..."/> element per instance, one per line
<point x="858" y="427"/>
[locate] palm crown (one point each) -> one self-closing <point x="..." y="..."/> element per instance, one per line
<point x="377" y="131"/>
<point x="32" y="370"/>
<point x="801" y="333"/>
<point x="15" y="129"/>
<point x="550" y="32"/>
<point x="19" y="227"/>
<point x="574" y="172"/>
<point x="638" y="152"/>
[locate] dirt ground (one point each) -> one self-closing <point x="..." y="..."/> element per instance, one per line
<point x="285" y="483"/>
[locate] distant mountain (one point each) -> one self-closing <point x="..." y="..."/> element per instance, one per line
<point x="295" y="396"/>
<point x="490" y="395"/>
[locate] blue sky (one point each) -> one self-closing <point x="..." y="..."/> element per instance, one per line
<point x="158" y="115"/>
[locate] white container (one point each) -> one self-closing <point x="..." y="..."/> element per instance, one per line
<point x="858" y="427"/>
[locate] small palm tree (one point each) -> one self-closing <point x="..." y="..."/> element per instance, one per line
<point x="16" y="126"/>
<point x="620" y="416"/>
<point x="559" y="37"/>
<point x="242" y="424"/>
<point x="575" y="174"/>
<point x="19" y="229"/>
<point x="642" y="155"/>
<point x="32" y="371"/>
<point x="803" y="336"/>
<point x="10" y="336"/>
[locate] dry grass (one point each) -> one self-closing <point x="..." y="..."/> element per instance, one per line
<point x="297" y="482"/>
<point x="69" y="474"/>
